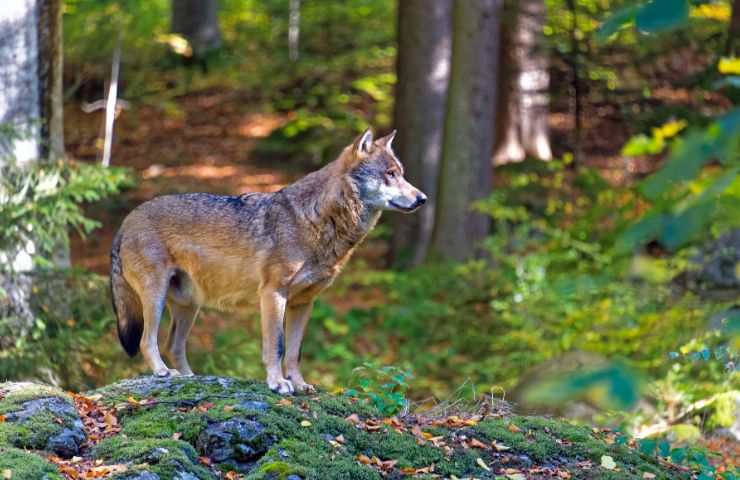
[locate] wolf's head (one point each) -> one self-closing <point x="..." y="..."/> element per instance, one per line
<point x="378" y="174"/>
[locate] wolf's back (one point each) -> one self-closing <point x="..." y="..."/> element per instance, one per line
<point x="126" y="303"/>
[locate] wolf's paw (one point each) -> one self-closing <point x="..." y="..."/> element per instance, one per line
<point x="281" y="386"/>
<point x="167" y="372"/>
<point x="303" y="387"/>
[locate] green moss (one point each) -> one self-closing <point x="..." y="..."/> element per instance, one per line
<point x="16" y="394"/>
<point x="24" y="465"/>
<point x="161" y="456"/>
<point x="544" y="440"/>
<point x="310" y="461"/>
<point x="162" y="422"/>
<point x="34" y="431"/>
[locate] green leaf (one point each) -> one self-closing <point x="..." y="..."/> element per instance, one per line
<point x="662" y="15"/>
<point x="647" y="446"/>
<point x="616" y="21"/>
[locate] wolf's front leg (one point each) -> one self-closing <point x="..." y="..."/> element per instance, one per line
<point x="296" y="318"/>
<point x="272" y="303"/>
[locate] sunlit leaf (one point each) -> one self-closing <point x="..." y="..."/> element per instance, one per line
<point x="729" y="65"/>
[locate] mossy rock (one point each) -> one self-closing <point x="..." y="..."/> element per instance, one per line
<point x="40" y="417"/>
<point x="190" y="428"/>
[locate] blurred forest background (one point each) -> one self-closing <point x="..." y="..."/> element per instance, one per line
<point x="580" y="253"/>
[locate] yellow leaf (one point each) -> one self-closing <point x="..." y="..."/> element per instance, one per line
<point x="712" y="11"/>
<point x="7" y="474"/>
<point x="608" y="462"/>
<point x="669" y="129"/>
<point x="482" y="464"/>
<point x="648" y="475"/>
<point x="729" y="65"/>
<point x="305" y="423"/>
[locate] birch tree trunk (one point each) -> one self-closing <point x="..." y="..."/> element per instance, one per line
<point x="30" y="131"/>
<point x="469" y="130"/>
<point x="31" y="81"/>
<point x="423" y="67"/>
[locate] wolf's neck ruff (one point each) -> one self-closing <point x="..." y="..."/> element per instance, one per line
<point x="332" y="208"/>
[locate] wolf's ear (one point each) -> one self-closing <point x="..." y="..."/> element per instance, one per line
<point x="364" y="142"/>
<point x="387" y="140"/>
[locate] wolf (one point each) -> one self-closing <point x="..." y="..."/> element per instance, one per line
<point x="276" y="250"/>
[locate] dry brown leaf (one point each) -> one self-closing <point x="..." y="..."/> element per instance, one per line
<point x="475" y="443"/>
<point x="354" y="418"/>
<point x="513" y="428"/>
<point x="363" y="459"/>
<point x="285" y="402"/>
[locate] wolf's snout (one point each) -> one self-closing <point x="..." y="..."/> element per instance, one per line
<point x="421" y="199"/>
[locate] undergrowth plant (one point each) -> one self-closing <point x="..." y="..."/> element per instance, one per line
<point x="384" y="388"/>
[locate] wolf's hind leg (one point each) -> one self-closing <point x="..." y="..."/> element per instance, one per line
<point x="296" y="319"/>
<point x="272" y="306"/>
<point x="153" y="299"/>
<point x="182" y="318"/>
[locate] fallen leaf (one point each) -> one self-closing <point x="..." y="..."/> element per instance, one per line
<point x="228" y="408"/>
<point x="285" y="402"/>
<point x="340" y="438"/>
<point x="305" y="423"/>
<point x="354" y="418"/>
<point x="2" y="420"/>
<point x="7" y="474"/>
<point x="231" y="475"/>
<point x="205" y="460"/>
<point x="608" y="462"/>
<point x="363" y="459"/>
<point x="482" y="464"/>
<point x="475" y="443"/>
<point x="177" y="436"/>
<point x="499" y="447"/>
<point x="648" y="475"/>
<point x="513" y="428"/>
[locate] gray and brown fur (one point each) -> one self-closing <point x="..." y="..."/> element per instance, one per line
<point x="278" y="250"/>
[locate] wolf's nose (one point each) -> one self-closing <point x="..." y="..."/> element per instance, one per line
<point x="421" y="199"/>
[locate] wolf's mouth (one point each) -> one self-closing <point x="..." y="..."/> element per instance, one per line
<point x="410" y="209"/>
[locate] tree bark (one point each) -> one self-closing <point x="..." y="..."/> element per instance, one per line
<point x="31" y="81"/>
<point x="523" y="85"/>
<point x="197" y="21"/>
<point x="733" y="32"/>
<point x="423" y="67"/>
<point x="469" y="129"/>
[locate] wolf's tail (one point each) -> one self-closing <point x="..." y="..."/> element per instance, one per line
<point x="126" y="303"/>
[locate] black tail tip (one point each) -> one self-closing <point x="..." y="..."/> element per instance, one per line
<point x="130" y="336"/>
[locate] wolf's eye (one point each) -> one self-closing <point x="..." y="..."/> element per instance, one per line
<point x="391" y="173"/>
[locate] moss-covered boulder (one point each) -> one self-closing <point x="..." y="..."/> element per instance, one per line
<point x="41" y="418"/>
<point x="210" y="427"/>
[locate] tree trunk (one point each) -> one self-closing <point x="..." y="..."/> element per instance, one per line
<point x="30" y="130"/>
<point x="197" y="21"/>
<point x="469" y="128"/>
<point x="31" y="81"/>
<point x="733" y="32"/>
<point x="423" y="66"/>
<point x="524" y="83"/>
